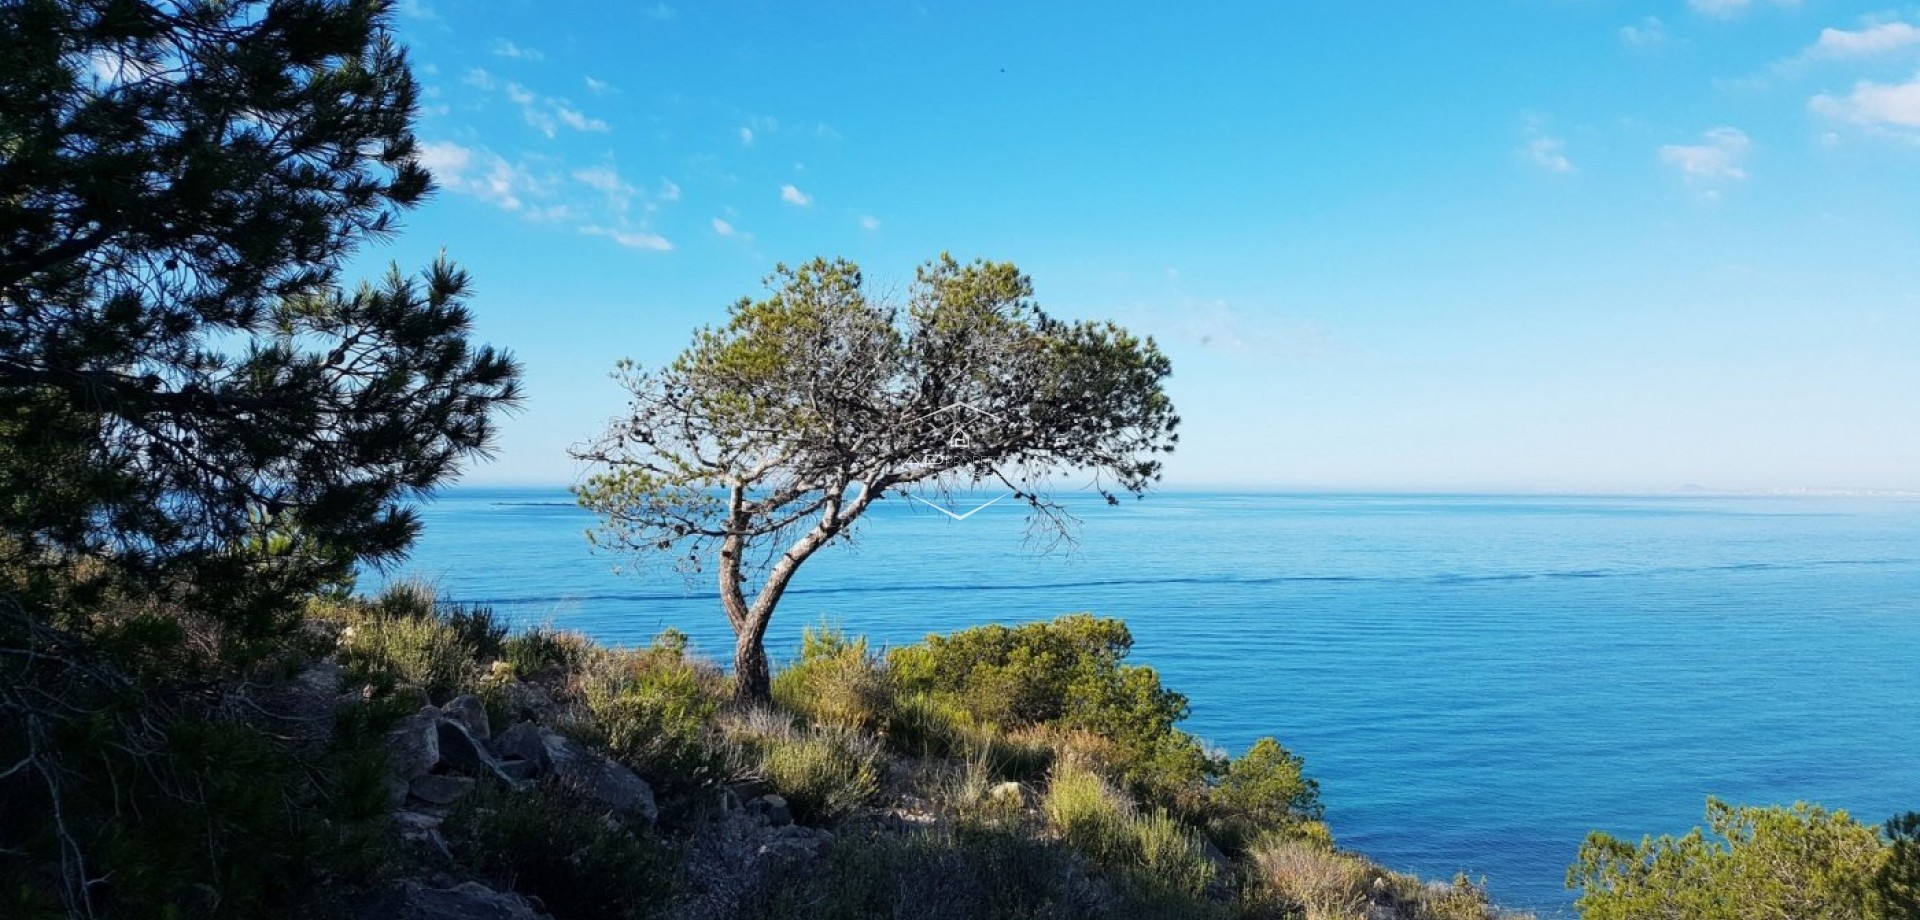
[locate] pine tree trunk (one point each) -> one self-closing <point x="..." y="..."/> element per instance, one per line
<point x="752" y="679"/>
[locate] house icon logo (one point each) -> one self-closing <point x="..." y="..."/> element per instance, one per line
<point x="961" y="420"/>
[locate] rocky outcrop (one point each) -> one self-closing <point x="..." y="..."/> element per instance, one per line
<point x="598" y="777"/>
<point x="411" y="900"/>
<point x="438" y="753"/>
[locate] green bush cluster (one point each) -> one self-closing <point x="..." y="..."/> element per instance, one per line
<point x="654" y="709"/>
<point x="576" y="861"/>
<point x="1066" y="675"/>
<point x="407" y="636"/>
<point x="823" y="771"/>
<point x="1802" y="861"/>
<point x="1152" y="851"/>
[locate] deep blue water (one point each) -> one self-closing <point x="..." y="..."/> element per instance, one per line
<point x="1476" y="681"/>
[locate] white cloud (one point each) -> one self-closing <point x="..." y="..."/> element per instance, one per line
<point x="662" y="12"/>
<point x="1647" y="33"/>
<point x="1874" y="104"/>
<point x="746" y="137"/>
<point x="792" y="195"/>
<point x="479" y="78"/>
<point x="1874" y="39"/>
<point x="479" y="173"/>
<point x="604" y="178"/>
<point x="722" y="227"/>
<point x="869" y="222"/>
<point x="1549" y="153"/>
<point x="550" y="114"/>
<point x="573" y="118"/>
<point x="441" y="157"/>
<point x="632" y="239"/>
<point x="417" y="9"/>
<point x="669" y="191"/>
<point x="1718" y="159"/>
<point x="598" y="87"/>
<point x="507" y="49"/>
<point x="1724" y="9"/>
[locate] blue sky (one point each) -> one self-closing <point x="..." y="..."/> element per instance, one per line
<point x="1561" y="245"/>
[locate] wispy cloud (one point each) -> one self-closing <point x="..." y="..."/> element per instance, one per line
<point x="792" y="195"/>
<point x="869" y="222"/>
<point x="598" y="87"/>
<point x="1880" y="38"/>
<point x="483" y="174"/>
<point x="550" y="114"/>
<point x="1726" y="9"/>
<point x="595" y="201"/>
<point x="1720" y="157"/>
<point x="1647" y="33"/>
<point x="669" y="190"/>
<point x="1874" y="105"/>
<point x="506" y="49"/>
<point x="746" y="137"/>
<point x="418" y="9"/>
<point x="632" y="239"/>
<point x="722" y="227"/>
<point x="662" y="12"/>
<point x="1542" y="149"/>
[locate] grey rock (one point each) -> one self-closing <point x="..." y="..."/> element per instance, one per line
<point x="773" y="808"/>
<point x="522" y="770"/>
<point x="467" y="710"/>
<point x="599" y="777"/>
<point x="440" y="790"/>
<point x="464" y="753"/>
<point x="795" y="843"/>
<point x="412" y="900"/>
<point x="526" y="701"/>
<point x="420" y="833"/>
<point x="524" y="742"/>
<point x="413" y="746"/>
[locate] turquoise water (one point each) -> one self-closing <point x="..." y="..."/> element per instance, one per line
<point x="1476" y="681"/>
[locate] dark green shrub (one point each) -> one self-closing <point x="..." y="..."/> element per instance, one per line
<point x="963" y="872"/>
<point x="1260" y="792"/>
<point x="1897" y="883"/>
<point x="1803" y="862"/>
<point x="1067" y="674"/>
<point x="549" y="845"/>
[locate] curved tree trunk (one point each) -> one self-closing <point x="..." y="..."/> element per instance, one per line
<point x="752" y="678"/>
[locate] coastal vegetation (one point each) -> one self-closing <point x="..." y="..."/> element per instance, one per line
<point x="205" y="434"/>
<point x="771" y="435"/>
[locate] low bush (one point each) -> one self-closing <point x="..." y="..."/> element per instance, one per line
<point x="1320" y="883"/>
<point x="1068" y="675"/>
<point x="654" y="708"/>
<point x="824" y="772"/>
<point x="1803" y="862"/>
<point x="836" y="681"/>
<point x="959" y="872"/>
<point x="546" y="844"/>
<point x="1261" y="792"/>
<point x="1154" y="852"/>
<point x="407" y="636"/>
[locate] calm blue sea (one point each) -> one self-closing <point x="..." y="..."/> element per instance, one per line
<point x="1476" y="681"/>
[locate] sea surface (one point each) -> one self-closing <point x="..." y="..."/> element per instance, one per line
<point x="1476" y="681"/>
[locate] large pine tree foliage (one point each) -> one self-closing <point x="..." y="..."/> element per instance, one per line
<point x="180" y="365"/>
